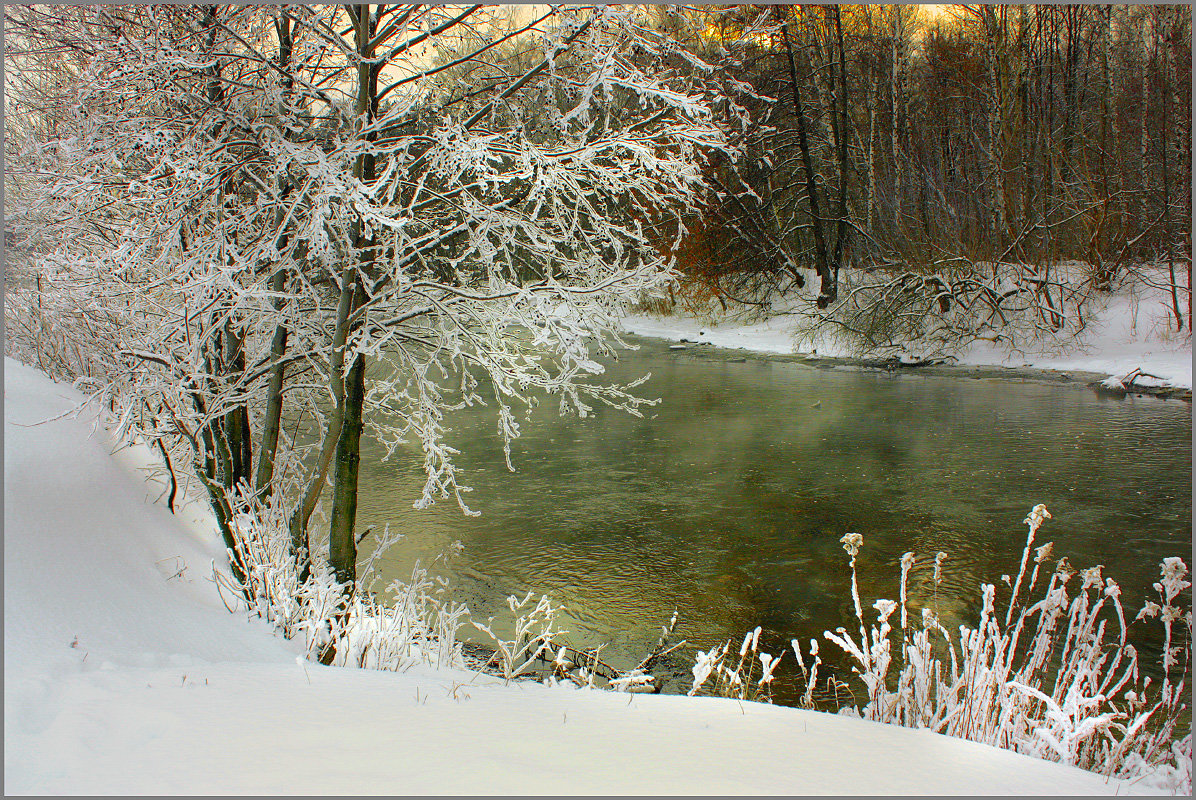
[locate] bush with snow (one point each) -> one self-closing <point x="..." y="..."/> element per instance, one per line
<point x="1047" y="308"/>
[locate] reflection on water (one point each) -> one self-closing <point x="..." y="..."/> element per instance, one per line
<point x="729" y="501"/>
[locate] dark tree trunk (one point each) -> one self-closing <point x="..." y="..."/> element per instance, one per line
<point x="273" y="417"/>
<point x="841" y="141"/>
<point x="827" y="291"/>
<point x="342" y="545"/>
<point x="271" y="424"/>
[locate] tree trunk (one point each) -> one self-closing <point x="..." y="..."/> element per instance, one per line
<point x="212" y="466"/>
<point x="336" y="380"/>
<point x="272" y="422"/>
<point x="1163" y="127"/>
<point x="342" y="545"/>
<point x="841" y="139"/>
<point x="870" y="203"/>
<point x="236" y="421"/>
<point x="827" y="291"/>
<point x="1073" y="19"/>
<point x="271" y="425"/>
<point x="894" y="84"/>
<point x="1144" y="129"/>
<point x="995" y="120"/>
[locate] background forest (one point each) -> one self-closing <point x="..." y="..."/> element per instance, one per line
<point x="932" y="139"/>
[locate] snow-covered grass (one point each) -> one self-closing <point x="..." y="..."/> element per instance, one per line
<point x="125" y="673"/>
<point x="1055" y="678"/>
<point x="1129" y="328"/>
<point x="747" y="678"/>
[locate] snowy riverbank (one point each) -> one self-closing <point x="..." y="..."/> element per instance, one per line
<point x="1128" y="330"/>
<point x="124" y="673"/>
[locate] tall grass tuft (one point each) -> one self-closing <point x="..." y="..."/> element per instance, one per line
<point x="1050" y="675"/>
<point x="746" y="677"/>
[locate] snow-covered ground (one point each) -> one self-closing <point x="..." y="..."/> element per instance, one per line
<point x="1129" y="332"/>
<point x="124" y="673"/>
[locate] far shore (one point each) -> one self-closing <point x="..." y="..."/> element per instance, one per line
<point x="933" y="367"/>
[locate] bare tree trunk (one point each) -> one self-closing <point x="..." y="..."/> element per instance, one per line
<point x="1030" y="141"/>
<point x="1050" y="45"/>
<point x="336" y="380"/>
<point x="236" y="421"/>
<point x="1163" y="128"/>
<point x="995" y="121"/>
<point x="1144" y="134"/>
<point x="821" y="124"/>
<point x="828" y="290"/>
<point x="1073" y="18"/>
<point x="870" y="203"/>
<point x="1110" y="184"/>
<point x="213" y="462"/>
<point x="272" y="422"/>
<point x="842" y="136"/>
<point x="342" y="544"/>
<point x="226" y="437"/>
<point x="1110" y="111"/>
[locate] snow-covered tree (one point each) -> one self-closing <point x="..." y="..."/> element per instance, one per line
<point x="361" y="215"/>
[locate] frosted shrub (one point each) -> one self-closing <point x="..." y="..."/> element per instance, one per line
<point x="750" y="677"/>
<point x="1053" y="676"/>
<point x="343" y="628"/>
<point x="537" y="646"/>
<point x="48" y="328"/>
<point x="357" y="629"/>
<point x="943" y="307"/>
<point x="535" y="628"/>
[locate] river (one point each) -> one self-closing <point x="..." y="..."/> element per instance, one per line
<point x="728" y="500"/>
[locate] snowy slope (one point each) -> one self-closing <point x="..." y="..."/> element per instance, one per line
<point x="123" y="677"/>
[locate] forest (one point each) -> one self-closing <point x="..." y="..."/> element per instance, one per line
<point x="905" y="156"/>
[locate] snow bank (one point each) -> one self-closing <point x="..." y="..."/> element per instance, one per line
<point x="1128" y="330"/>
<point x="770" y="336"/>
<point x="1129" y="333"/>
<point x="125" y="674"/>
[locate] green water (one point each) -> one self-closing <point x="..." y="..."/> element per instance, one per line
<point x="728" y="501"/>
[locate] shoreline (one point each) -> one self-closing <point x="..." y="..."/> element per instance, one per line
<point x="1083" y="379"/>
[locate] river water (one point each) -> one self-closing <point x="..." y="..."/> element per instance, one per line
<point x="728" y="500"/>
